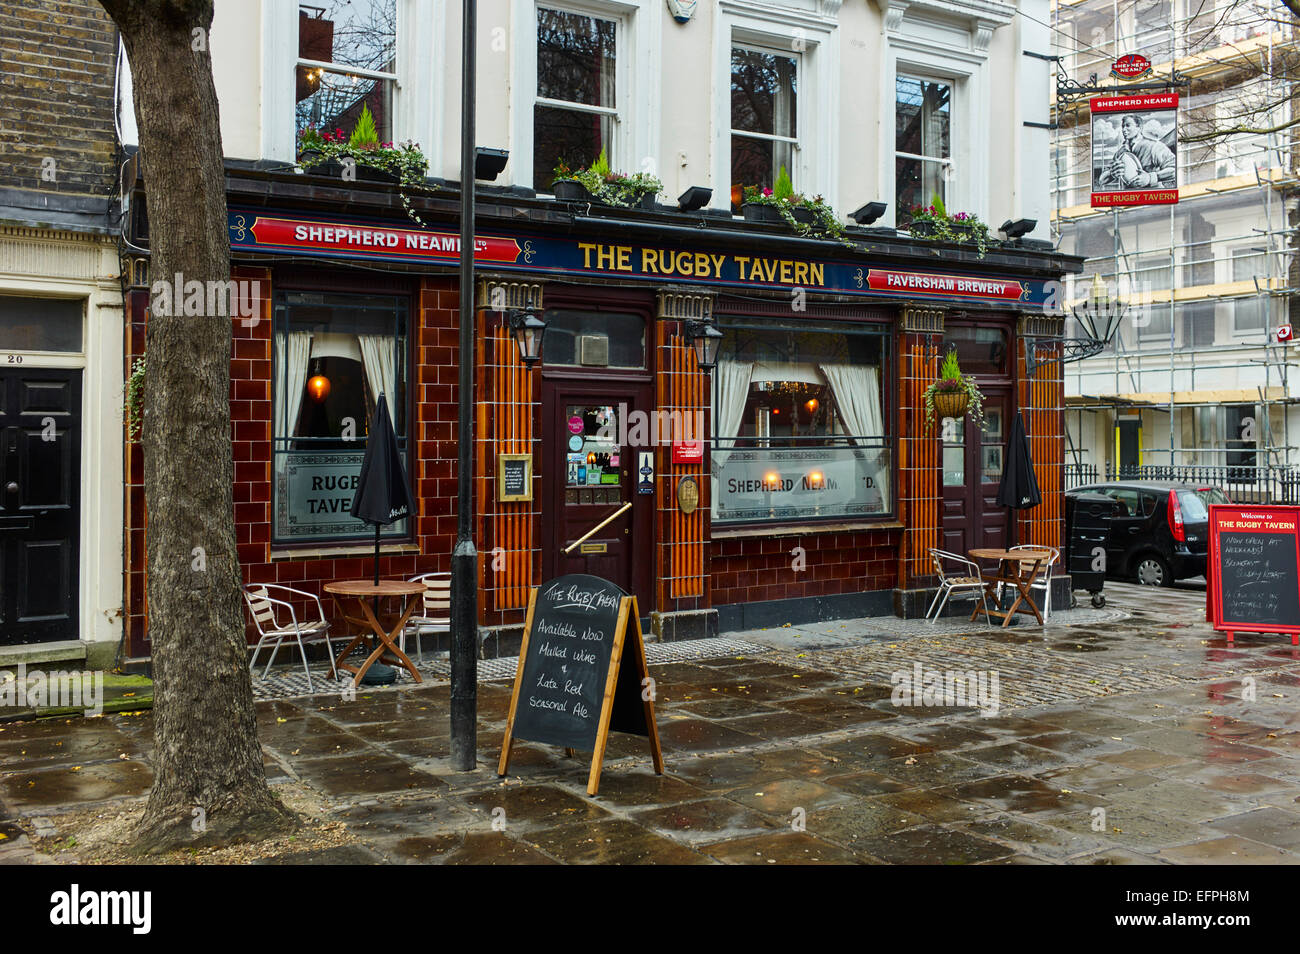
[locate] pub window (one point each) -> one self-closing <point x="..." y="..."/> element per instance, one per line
<point x="347" y="59"/>
<point x="764" y="118"/>
<point x="594" y="339"/>
<point x="576" y="109"/>
<point x="923" y="143"/>
<point x="334" y="355"/>
<point x="800" y="425"/>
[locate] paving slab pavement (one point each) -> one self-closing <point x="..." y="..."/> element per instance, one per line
<point x="1129" y="735"/>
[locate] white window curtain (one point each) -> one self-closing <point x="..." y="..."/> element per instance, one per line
<point x="381" y="370"/>
<point x="294" y="352"/>
<point x="732" y="379"/>
<point x="857" y="395"/>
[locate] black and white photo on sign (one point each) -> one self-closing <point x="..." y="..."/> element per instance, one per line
<point x="1136" y="150"/>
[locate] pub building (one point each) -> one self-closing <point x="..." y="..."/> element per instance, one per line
<point x="793" y="480"/>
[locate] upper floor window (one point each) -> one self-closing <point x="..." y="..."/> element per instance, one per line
<point x="1249" y="314"/>
<point x="923" y="142"/>
<point x="576" y="110"/>
<point x="347" y="60"/>
<point x="764" y="118"/>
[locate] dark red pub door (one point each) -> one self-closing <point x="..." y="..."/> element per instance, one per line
<point x="972" y="468"/>
<point x="593" y="436"/>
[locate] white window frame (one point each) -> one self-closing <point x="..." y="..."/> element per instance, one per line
<point x="793" y="141"/>
<point x="945" y="163"/>
<point x="417" y="113"/>
<point x="813" y="40"/>
<point x="1247" y="251"/>
<point x="635" y="146"/>
<point x="946" y="41"/>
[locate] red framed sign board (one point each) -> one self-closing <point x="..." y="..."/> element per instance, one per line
<point x="1252" y="575"/>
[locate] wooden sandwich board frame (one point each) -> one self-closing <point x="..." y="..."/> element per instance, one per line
<point x="628" y="619"/>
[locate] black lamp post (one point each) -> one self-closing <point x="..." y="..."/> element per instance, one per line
<point x="529" y="330"/>
<point x="464" y="558"/>
<point x="705" y="339"/>
<point x="1098" y="315"/>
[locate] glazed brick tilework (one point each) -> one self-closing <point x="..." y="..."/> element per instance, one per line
<point x="751" y="569"/>
<point x="681" y="555"/>
<point x="918" y="456"/>
<point x="57" y="58"/>
<point x="433" y="461"/>
<point x="1042" y="401"/>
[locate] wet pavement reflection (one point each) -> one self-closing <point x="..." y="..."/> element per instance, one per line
<point x="1137" y="738"/>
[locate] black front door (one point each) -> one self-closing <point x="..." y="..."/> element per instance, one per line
<point x="40" y="492"/>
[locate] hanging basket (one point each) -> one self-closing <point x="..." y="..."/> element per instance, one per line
<point x="951" y="403"/>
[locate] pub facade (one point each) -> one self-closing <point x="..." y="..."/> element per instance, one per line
<point x="793" y="478"/>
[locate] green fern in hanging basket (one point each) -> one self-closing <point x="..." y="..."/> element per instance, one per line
<point x="953" y="395"/>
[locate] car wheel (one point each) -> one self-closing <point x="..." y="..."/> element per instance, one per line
<point x="1153" y="570"/>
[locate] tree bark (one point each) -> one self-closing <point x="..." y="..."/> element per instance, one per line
<point x="209" y="781"/>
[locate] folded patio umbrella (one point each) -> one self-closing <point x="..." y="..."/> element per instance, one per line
<point x="383" y="496"/>
<point x="1018" y="488"/>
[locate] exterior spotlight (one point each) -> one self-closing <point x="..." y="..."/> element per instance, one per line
<point x="696" y="197"/>
<point x="488" y="163"/>
<point x="869" y="212"/>
<point x="1019" y="228"/>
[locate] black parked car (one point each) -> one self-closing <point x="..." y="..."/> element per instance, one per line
<point x="1161" y="532"/>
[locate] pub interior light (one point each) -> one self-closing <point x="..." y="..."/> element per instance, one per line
<point x="869" y="212"/>
<point x="1019" y="228"/>
<point x="528" y="330"/>
<point x="488" y="163"/>
<point x="696" y="197"/>
<point x="705" y="339"/>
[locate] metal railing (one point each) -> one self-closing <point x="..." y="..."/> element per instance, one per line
<point x="1242" y="483"/>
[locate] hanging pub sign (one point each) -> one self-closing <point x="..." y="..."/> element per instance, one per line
<point x="263" y="232"/>
<point x="582" y="673"/>
<point x="1131" y="66"/>
<point x="1253" y="576"/>
<point x="1134" y="150"/>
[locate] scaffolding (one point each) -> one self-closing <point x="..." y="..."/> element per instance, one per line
<point x="1196" y="376"/>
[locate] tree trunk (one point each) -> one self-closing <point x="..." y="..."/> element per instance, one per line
<point x="209" y="782"/>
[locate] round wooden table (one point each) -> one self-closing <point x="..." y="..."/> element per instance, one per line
<point x="1011" y="573"/>
<point x="382" y="646"/>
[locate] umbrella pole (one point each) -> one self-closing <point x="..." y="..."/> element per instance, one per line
<point x="375" y="604"/>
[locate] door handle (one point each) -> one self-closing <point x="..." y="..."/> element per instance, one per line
<point x="12" y="487"/>
<point x="598" y="526"/>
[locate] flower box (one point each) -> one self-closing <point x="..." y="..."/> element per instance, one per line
<point x="570" y="190"/>
<point x="951" y="403"/>
<point x="757" y="212"/>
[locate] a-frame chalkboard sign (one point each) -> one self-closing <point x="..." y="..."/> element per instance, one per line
<point x="1253" y="570"/>
<point x="572" y="686"/>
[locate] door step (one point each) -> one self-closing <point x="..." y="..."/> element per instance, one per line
<point x="68" y="650"/>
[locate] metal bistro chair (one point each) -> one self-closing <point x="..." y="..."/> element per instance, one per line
<point x="434" y="615"/>
<point x="965" y="579"/>
<point x="269" y="613"/>
<point x="1044" y="581"/>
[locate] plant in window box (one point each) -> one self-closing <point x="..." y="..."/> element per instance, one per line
<point x="782" y="204"/>
<point x="601" y="184"/>
<point x="323" y="153"/>
<point x="954" y="394"/>
<point x="934" y="222"/>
